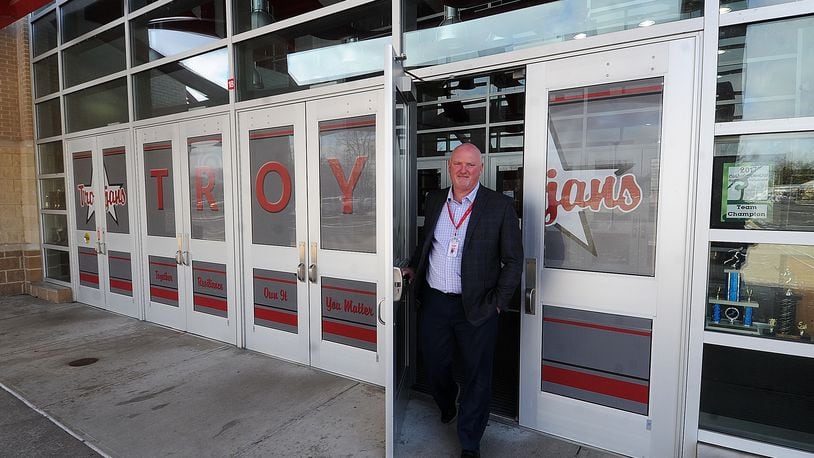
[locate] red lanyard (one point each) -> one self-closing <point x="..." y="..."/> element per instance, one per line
<point x="463" y="218"/>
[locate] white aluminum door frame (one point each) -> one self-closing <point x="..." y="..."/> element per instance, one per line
<point x="661" y="298"/>
<point x="195" y="250"/>
<point x="110" y="144"/>
<point x="85" y="242"/>
<point x="163" y="246"/>
<point x="277" y="342"/>
<point x="358" y="363"/>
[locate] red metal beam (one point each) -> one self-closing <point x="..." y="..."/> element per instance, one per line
<point x="13" y="10"/>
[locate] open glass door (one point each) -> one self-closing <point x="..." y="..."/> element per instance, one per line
<point x="399" y="106"/>
<point x="602" y="352"/>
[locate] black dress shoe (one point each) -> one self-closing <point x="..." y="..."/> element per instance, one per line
<point x="470" y="453"/>
<point x="448" y="415"/>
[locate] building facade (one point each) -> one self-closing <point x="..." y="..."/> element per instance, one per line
<point x="252" y="171"/>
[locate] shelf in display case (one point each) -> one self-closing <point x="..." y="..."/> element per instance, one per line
<point x="750" y="304"/>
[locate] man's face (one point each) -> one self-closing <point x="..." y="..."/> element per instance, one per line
<point x="465" y="167"/>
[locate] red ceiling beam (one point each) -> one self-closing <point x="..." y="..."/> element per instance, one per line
<point x="12" y="10"/>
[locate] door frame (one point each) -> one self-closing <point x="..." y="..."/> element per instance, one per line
<point x="665" y="419"/>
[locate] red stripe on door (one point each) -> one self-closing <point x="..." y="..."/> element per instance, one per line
<point x="347" y="125"/>
<point x="279" y="133"/>
<point x="210" y="302"/>
<point x="278" y="280"/>
<point x="596" y="384"/>
<point x="599" y="326"/>
<point x="121" y="284"/>
<point x="164" y="293"/>
<point x="346" y="330"/>
<point x="608" y="93"/>
<point x="276" y="316"/>
<point x="349" y="290"/>
<point x="90" y="278"/>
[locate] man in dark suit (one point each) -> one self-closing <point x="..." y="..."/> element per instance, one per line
<point x="465" y="270"/>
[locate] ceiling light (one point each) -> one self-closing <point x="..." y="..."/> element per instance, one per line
<point x="647" y="23"/>
<point x="580" y="36"/>
<point x="724" y="9"/>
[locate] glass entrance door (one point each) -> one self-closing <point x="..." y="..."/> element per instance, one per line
<point x="188" y="242"/>
<point x="100" y="183"/>
<point x="606" y="236"/>
<point x="314" y="250"/>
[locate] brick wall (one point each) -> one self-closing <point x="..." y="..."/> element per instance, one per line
<point x="20" y="262"/>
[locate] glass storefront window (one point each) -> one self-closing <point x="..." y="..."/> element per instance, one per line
<point x="452" y="114"/>
<point x="57" y="265"/>
<point x="253" y="14"/>
<point x="762" y="290"/>
<point x="602" y="177"/>
<point x="442" y="143"/>
<point x="736" y="5"/>
<point x="195" y="82"/>
<point x="176" y="27"/>
<point x="50" y="157"/>
<point x="469" y="87"/>
<point x="766" y="70"/>
<point x="44" y="33"/>
<point x="52" y="194"/>
<point x="760" y="396"/>
<point x="97" y="56"/>
<point x="441" y="32"/>
<point x="764" y="181"/>
<point x="46" y="76"/>
<point x="82" y="16"/>
<point x="97" y="106"/>
<point x="506" y="139"/>
<point x="49" y="122"/>
<point x="55" y="229"/>
<point x="344" y="46"/>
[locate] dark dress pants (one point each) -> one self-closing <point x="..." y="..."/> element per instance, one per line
<point x="443" y="327"/>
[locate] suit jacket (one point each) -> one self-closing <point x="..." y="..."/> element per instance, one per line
<point x="492" y="258"/>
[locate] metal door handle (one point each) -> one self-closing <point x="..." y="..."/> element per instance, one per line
<point x="379" y="312"/>
<point x="178" y="259"/>
<point x="301" y="266"/>
<point x="398" y="284"/>
<point x="530" y="299"/>
<point x="312" y="269"/>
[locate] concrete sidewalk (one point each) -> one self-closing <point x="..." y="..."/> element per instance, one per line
<point x="157" y="392"/>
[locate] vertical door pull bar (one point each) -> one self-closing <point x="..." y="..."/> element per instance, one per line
<point x="301" y="266"/>
<point x="178" y="259"/>
<point x="531" y="285"/>
<point x="379" y="312"/>
<point x="312" y="269"/>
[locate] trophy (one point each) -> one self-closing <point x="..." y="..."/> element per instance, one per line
<point x="716" y="308"/>
<point x="788" y="304"/>
<point x="802" y="327"/>
<point x="738" y="303"/>
<point x="772" y="324"/>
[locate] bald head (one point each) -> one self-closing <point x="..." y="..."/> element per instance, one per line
<point x="465" y="166"/>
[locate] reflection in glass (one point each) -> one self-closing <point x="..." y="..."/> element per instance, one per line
<point x="49" y="122"/>
<point x="97" y="56"/>
<point x="438" y="33"/>
<point x="347" y="184"/>
<point x="341" y="47"/>
<point x="604" y="144"/>
<point x="44" y="33"/>
<point x="97" y="106"/>
<point x="762" y="290"/>
<point x="506" y="139"/>
<point x="764" y="181"/>
<point x="57" y="265"/>
<point x="176" y="27"/>
<point x="252" y="14"/>
<point x="55" y="229"/>
<point x="766" y="397"/>
<point x="766" y="70"/>
<point x="274" y="217"/>
<point x="50" y="156"/>
<point x="509" y="182"/>
<point x="52" y="194"/>
<point x="46" y="76"/>
<point x="207" y="206"/>
<point x="736" y="5"/>
<point x="428" y="180"/>
<point x="452" y="113"/>
<point x="476" y="86"/>
<point x="82" y="16"/>
<point x="442" y="143"/>
<point x="195" y="82"/>
<point x="508" y="107"/>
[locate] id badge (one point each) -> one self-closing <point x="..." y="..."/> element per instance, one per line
<point x="452" y="252"/>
